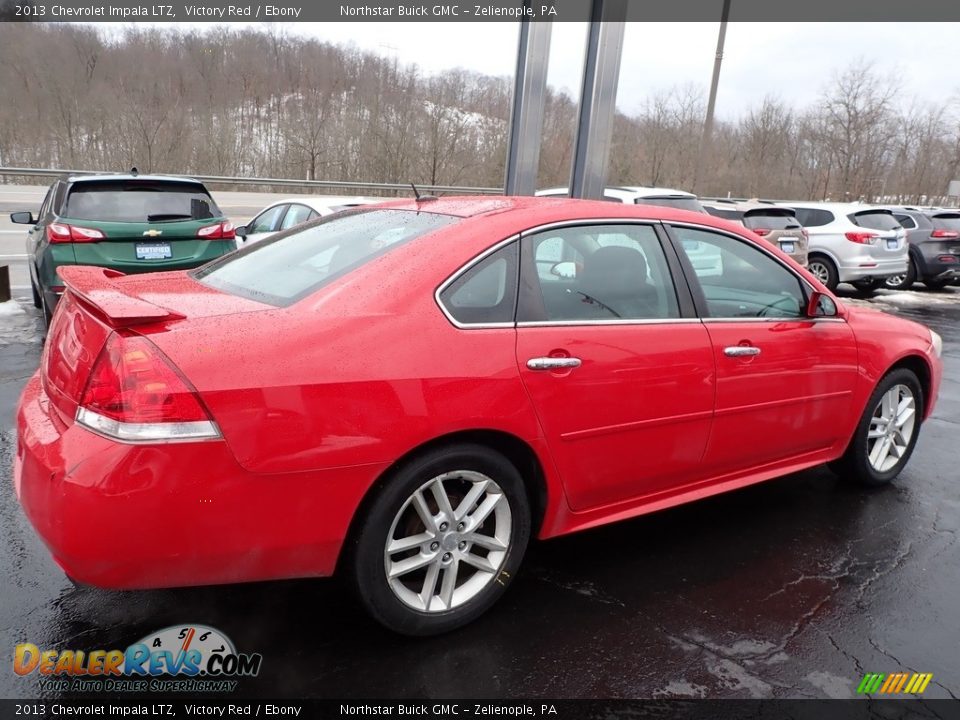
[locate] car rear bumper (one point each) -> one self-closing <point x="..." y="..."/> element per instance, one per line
<point x="166" y="515"/>
<point x="865" y="266"/>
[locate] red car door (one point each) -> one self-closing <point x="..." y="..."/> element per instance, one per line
<point x="784" y="380"/>
<point x="619" y="370"/>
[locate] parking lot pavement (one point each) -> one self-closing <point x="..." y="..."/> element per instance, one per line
<point x="793" y="588"/>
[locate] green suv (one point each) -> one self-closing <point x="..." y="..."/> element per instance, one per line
<point x="131" y="223"/>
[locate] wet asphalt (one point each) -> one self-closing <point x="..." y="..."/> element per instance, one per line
<point x="794" y="588"/>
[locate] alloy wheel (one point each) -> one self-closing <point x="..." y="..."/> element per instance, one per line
<point x="891" y="428"/>
<point x="448" y="541"/>
<point x="820" y="271"/>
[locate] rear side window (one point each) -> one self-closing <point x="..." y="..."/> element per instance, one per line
<point x="906" y="221"/>
<point x="875" y="220"/>
<point x="758" y="219"/>
<point x="680" y="202"/>
<point x="139" y="201"/>
<point x="814" y="217"/>
<point x="285" y="268"/>
<point x="487" y="292"/>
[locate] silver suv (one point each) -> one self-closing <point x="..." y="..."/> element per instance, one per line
<point x="852" y="243"/>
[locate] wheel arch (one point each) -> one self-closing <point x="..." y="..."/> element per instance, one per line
<point x="516" y="450"/>
<point x="919" y="367"/>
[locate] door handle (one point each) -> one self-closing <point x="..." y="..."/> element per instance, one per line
<point x="741" y="351"/>
<point x="553" y="363"/>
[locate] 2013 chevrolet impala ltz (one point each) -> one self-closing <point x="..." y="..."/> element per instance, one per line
<point x="404" y="393"/>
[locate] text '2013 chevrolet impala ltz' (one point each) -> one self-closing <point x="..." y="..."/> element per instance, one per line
<point x="406" y="393"/>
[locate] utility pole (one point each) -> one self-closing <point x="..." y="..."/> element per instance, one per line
<point x="707" y="137"/>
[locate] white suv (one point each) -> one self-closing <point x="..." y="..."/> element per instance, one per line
<point x="637" y="194"/>
<point x="852" y="243"/>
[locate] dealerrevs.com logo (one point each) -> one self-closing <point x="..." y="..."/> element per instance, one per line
<point x="180" y="658"/>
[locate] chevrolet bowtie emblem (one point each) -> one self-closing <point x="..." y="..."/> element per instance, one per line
<point x="152" y="233"/>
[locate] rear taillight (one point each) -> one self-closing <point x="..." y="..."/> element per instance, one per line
<point x="945" y="234"/>
<point x="864" y="238"/>
<point x="220" y="231"/>
<point x="762" y="232"/>
<point x="135" y="394"/>
<point x="63" y="233"/>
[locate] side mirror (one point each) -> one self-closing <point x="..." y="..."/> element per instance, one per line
<point x="821" y="305"/>
<point x="23" y="218"/>
<point x="241" y="232"/>
<point x="566" y="270"/>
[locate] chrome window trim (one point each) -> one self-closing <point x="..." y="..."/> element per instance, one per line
<point x="612" y="321"/>
<point x="462" y="271"/>
<point x="584" y="323"/>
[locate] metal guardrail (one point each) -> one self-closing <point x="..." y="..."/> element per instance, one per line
<point x="276" y="182"/>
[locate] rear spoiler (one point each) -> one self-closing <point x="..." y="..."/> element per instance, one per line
<point x="94" y="286"/>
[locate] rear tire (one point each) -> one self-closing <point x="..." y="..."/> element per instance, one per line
<point x="887" y="432"/>
<point x="936" y="285"/>
<point x="441" y="541"/>
<point x="824" y="270"/>
<point x="905" y="281"/>
<point x="866" y="288"/>
<point x="37" y="302"/>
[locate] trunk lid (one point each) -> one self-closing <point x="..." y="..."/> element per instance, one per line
<point x="98" y="301"/>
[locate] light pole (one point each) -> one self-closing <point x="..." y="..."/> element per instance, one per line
<point x="706" y="138"/>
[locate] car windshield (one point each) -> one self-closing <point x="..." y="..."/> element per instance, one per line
<point x="772" y="220"/>
<point x="139" y="201"/>
<point x="289" y="266"/>
<point x="875" y="220"/>
<point x="681" y="202"/>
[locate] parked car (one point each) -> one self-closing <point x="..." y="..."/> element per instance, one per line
<point x="852" y="243"/>
<point x="129" y="223"/>
<point x="400" y="408"/>
<point x="778" y="225"/>
<point x="285" y="214"/>
<point x="934" y="245"/>
<point x="640" y="195"/>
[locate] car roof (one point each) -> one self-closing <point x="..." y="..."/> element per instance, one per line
<point x="631" y="192"/>
<point x="845" y="208"/>
<point x="121" y="177"/>
<point x="550" y="209"/>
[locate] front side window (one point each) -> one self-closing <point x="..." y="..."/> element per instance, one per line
<point x="286" y="268"/>
<point x="295" y="215"/>
<point x="487" y="292"/>
<point x="738" y="279"/>
<point x="596" y="273"/>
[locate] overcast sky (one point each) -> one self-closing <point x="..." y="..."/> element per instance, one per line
<point x="791" y="60"/>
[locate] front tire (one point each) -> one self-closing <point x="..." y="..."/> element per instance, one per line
<point x="442" y="540"/>
<point x="866" y="288"/>
<point x="887" y="431"/>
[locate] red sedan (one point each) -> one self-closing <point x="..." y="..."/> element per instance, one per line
<point x="404" y="393"/>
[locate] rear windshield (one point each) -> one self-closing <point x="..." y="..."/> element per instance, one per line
<point x="946" y="222"/>
<point x="771" y="220"/>
<point x="724" y="213"/>
<point x="289" y="266"/>
<point x="680" y="202"/>
<point x="875" y="220"/>
<point x="140" y="202"/>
